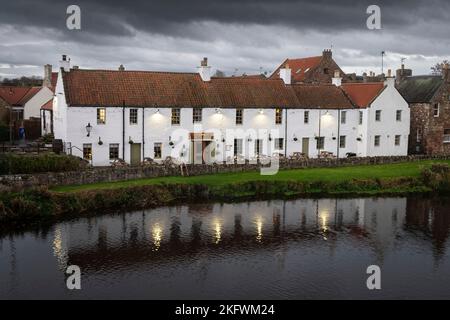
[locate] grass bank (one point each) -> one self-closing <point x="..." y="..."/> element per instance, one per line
<point x="393" y="179"/>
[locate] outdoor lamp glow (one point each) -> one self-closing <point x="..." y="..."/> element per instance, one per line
<point x="88" y="129"/>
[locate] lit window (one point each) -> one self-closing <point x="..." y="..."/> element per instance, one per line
<point x="279" y="143"/>
<point x="343" y="117"/>
<point x="157" y="150"/>
<point x="306" y="117"/>
<point x="342" y="141"/>
<point x="398" y="115"/>
<point x="397" y="140"/>
<point x="133" y="116"/>
<point x="278" y="116"/>
<point x="101" y="115"/>
<point x="239" y="116"/>
<point x="377" y="141"/>
<point x="378" y="115"/>
<point x="197" y="115"/>
<point x="87" y="151"/>
<point x="176" y="116"/>
<point x="113" y="151"/>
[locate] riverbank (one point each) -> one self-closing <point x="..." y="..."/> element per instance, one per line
<point x="375" y="180"/>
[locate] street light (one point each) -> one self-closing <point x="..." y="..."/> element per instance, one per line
<point x="88" y="129"/>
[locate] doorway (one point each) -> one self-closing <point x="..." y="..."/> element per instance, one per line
<point x="202" y="148"/>
<point x="305" y="146"/>
<point x="135" y="154"/>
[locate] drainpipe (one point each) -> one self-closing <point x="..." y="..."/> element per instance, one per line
<point x="285" y="133"/>
<point x="338" y="134"/>
<point x="317" y="141"/>
<point x="143" y="133"/>
<point x="123" y="130"/>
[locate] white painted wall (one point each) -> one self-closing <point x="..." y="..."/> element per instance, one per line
<point x="33" y="106"/>
<point x="389" y="101"/>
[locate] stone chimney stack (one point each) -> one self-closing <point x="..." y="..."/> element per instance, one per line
<point x="65" y="63"/>
<point x="47" y="76"/>
<point x="121" y="68"/>
<point x="337" y="79"/>
<point x="286" y="74"/>
<point x="327" y="54"/>
<point x="390" y="80"/>
<point x="204" y="70"/>
<point x="402" y="74"/>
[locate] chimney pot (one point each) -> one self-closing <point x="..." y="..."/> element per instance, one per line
<point x="121" y="68"/>
<point x="204" y="70"/>
<point x="389" y="73"/>
<point x="204" y="62"/>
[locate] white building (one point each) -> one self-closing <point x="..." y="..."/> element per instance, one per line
<point x="103" y="115"/>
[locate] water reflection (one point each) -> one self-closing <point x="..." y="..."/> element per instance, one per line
<point x="325" y="235"/>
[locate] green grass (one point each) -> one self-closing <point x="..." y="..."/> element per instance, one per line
<point x="366" y="172"/>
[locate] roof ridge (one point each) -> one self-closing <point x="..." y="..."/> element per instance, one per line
<point x="128" y="71"/>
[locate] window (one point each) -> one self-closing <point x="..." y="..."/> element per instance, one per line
<point x="239" y="116"/>
<point x="113" y="151"/>
<point x="237" y="147"/>
<point x="377" y="141"/>
<point x="87" y="151"/>
<point x="342" y="141"/>
<point x="279" y="144"/>
<point x="378" y="115"/>
<point x="360" y="117"/>
<point x="258" y="146"/>
<point x="398" y="115"/>
<point x="320" y="143"/>
<point x="306" y="117"/>
<point x="343" y="117"/>
<point x="326" y="71"/>
<point x="197" y="115"/>
<point x="101" y="115"/>
<point x="175" y="116"/>
<point x="397" y="140"/>
<point x="419" y="135"/>
<point x="157" y="150"/>
<point x="446" y="136"/>
<point x="133" y="116"/>
<point x="278" y="116"/>
<point x="436" y="110"/>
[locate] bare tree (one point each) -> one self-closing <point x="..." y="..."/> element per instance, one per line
<point x="437" y="69"/>
<point x="219" y="74"/>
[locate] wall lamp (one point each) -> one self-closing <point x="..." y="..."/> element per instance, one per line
<point x="88" y="129"/>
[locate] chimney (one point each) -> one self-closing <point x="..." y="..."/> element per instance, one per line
<point x="285" y="74"/>
<point x="327" y="54"/>
<point x="204" y="70"/>
<point x="446" y="73"/>
<point x="121" y="68"/>
<point x="390" y="80"/>
<point x="47" y="76"/>
<point x="337" y="79"/>
<point x="402" y="74"/>
<point x="65" y="63"/>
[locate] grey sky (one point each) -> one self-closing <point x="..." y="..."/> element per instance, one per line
<point x="247" y="35"/>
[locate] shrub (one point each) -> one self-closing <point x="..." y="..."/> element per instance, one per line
<point x="17" y="164"/>
<point x="4" y="132"/>
<point x="437" y="177"/>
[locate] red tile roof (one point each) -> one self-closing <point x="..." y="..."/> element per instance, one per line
<point x="48" y="105"/>
<point x="323" y="96"/>
<point x="299" y="67"/>
<point x="13" y="95"/>
<point x="363" y="94"/>
<point x="30" y="94"/>
<point x="168" y="89"/>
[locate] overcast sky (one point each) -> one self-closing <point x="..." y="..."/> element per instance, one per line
<point x="236" y="35"/>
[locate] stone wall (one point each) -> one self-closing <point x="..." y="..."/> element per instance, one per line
<point x="109" y="174"/>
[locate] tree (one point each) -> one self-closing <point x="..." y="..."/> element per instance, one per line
<point x="22" y="81"/>
<point x="437" y="69"/>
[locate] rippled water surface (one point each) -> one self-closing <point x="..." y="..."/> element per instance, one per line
<point x="254" y="250"/>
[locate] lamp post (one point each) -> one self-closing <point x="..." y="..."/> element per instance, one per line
<point x="88" y="129"/>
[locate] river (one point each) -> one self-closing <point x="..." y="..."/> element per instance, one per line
<point x="293" y="249"/>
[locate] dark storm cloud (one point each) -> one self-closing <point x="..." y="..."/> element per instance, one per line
<point x="111" y="17"/>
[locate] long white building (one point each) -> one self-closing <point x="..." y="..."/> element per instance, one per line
<point x="103" y="115"/>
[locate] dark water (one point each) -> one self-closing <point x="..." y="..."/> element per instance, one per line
<point x="254" y="250"/>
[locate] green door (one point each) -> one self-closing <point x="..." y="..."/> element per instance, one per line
<point x="305" y="146"/>
<point x="135" y="154"/>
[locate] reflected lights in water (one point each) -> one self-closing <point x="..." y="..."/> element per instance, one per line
<point x="259" y="225"/>
<point x="157" y="236"/>
<point x="217" y="225"/>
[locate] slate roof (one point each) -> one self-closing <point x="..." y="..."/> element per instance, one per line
<point x="420" y="89"/>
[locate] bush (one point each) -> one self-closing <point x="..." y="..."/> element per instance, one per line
<point x="437" y="177"/>
<point x="4" y="132"/>
<point x="20" y="164"/>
